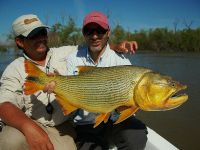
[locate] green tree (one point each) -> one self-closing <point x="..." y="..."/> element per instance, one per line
<point x="69" y="33"/>
<point x="118" y="34"/>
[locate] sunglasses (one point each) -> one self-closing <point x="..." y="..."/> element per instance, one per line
<point x="90" y="31"/>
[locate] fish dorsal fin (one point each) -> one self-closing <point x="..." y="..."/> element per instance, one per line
<point x="83" y="69"/>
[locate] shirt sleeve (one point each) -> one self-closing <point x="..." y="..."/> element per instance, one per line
<point x="11" y="86"/>
<point x="64" y="51"/>
<point x="59" y="58"/>
<point x="125" y="61"/>
<point x="70" y="66"/>
<point x="122" y="59"/>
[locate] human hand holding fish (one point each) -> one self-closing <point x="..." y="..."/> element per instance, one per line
<point x="102" y="90"/>
<point x="49" y="87"/>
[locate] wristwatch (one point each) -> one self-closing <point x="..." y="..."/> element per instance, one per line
<point x="1" y="125"/>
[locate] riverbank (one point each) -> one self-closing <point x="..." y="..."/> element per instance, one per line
<point x="169" y="53"/>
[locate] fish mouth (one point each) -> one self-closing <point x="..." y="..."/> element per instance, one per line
<point x="179" y="92"/>
<point x="176" y="98"/>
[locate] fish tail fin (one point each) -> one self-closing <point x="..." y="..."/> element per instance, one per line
<point x="35" y="79"/>
<point x="31" y="87"/>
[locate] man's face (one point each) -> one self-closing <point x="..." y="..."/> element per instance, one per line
<point x="35" y="44"/>
<point x="96" y="37"/>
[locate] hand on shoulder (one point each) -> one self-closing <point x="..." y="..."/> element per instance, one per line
<point x="125" y="47"/>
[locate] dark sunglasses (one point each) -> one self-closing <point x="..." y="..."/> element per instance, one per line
<point x="90" y="31"/>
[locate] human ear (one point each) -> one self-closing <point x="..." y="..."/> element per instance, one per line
<point x="19" y="42"/>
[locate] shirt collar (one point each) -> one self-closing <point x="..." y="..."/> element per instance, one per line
<point x="48" y="57"/>
<point x="104" y="55"/>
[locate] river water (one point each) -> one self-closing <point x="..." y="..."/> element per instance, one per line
<point x="181" y="126"/>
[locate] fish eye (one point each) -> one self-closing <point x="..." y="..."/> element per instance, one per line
<point x="172" y="83"/>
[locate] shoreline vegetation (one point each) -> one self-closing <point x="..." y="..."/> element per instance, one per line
<point x="158" y="40"/>
<point x="3" y="48"/>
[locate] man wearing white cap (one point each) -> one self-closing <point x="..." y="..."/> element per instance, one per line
<point x="131" y="134"/>
<point x="33" y="122"/>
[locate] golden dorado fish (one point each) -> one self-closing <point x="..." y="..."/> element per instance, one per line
<point x="102" y="90"/>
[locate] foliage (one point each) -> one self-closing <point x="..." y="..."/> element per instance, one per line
<point x="3" y="48"/>
<point x="162" y="39"/>
<point x="159" y="39"/>
<point x="118" y="34"/>
<point x="67" y="34"/>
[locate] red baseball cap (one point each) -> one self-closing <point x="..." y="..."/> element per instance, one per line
<point x="96" y="17"/>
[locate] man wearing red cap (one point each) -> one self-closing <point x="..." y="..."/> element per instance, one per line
<point x="131" y="133"/>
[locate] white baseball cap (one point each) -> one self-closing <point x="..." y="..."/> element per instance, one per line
<point x="25" y="24"/>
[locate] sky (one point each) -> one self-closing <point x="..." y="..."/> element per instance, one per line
<point x="132" y="15"/>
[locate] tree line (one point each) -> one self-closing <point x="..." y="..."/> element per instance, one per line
<point x="158" y="39"/>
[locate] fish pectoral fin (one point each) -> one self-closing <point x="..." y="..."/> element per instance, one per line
<point x="126" y="113"/>
<point x="102" y="117"/>
<point x="65" y="105"/>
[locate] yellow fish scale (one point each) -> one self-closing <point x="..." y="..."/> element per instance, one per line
<point x="100" y="89"/>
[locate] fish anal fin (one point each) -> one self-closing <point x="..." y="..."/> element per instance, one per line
<point x="65" y="105"/>
<point x="82" y="69"/>
<point x="126" y="113"/>
<point x="102" y="117"/>
<point x="106" y="118"/>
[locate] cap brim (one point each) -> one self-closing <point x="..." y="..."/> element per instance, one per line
<point x="103" y="25"/>
<point x="34" y="29"/>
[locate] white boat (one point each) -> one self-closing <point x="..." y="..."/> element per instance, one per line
<point x="157" y="142"/>
<point x="154" y="142"/>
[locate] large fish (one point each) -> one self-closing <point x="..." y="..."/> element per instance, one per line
<point x="101" y="90"/>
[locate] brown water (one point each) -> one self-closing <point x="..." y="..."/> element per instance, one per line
<point x="180" y="126"/>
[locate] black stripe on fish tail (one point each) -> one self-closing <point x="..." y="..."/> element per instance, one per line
<point x="33" y="78"/>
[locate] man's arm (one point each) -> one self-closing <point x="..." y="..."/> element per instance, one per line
<point x="125" y="47"/>
<point x="14" y="117"/>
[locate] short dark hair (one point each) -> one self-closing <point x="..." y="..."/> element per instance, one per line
<point x="20" y="37"/>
